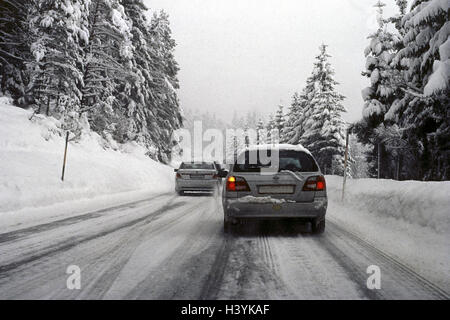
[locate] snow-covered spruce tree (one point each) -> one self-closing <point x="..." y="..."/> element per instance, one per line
<point x="135" y="97"/>
<point x="59" y="28"/>
<point x="423" y="110"/>
<point x="247" y="141"/>
<point x="260" y="132"/>
<point x="381" y="93"/>
<point x="293" y="128"/>
<point x="324" y="128"/>
<point x="279" y="121"/>
<point x="270" y="125"/>
<point x="15" y="53"/>
<point x="106" y="65"/>
<point x="162" y="90"/>
<point x="380" y="52"/>
<point x="298" y="118"/>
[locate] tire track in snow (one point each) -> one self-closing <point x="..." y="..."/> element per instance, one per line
<point x="75" y="241"/>
<point x="100" y="267"/>
<point x="415" y="284"/>
<point x="273" y="265"/>
<point x="20" y="233"/>
<point x="211" y="287"/>
<point x="353" y="270"/>
<point x="122" y="253"/>
<point x="169" y="278"/>
<point x="246" y="268"/>
<point x="309" y="272"/>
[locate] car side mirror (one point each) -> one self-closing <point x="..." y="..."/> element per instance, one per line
<point x="175" y="170"/>
<point x="223" y="173"/>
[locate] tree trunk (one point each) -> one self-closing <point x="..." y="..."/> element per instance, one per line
<point x="47" y="112"/>
<point x="397" y="171"/>
<point x="379" y="160"/>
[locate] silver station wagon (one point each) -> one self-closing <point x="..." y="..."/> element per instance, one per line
<point x="293" y="189"/>
<point x="197" y="176"/>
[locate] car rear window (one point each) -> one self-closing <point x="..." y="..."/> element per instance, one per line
<point x="290" y="160"/>
<point x="196" y="165"/>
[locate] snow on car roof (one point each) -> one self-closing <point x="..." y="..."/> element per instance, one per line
<point x="281" y="146"/>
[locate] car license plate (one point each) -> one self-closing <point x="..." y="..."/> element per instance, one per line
<point x="197" y="176"/>
<point x="276" y="189"/>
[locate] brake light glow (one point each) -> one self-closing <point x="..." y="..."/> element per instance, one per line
<point x="231" y="184"/>
<point x="237" y="184"/>
<point x="316" y="183"/>
<point x="320" y="185"/>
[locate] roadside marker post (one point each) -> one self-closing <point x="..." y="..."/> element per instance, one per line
<point x="345" y="164"/>
<point x="65" y="156"/>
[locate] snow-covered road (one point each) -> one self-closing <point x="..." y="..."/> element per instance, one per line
<point x="172" y="247"/>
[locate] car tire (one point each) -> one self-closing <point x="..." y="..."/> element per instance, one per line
<point x="180" y="193"/>
<point x="318" y="227"/>
<point x="227" y="227"/>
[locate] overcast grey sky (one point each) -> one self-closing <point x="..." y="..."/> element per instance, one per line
<point x="248" y="55"/>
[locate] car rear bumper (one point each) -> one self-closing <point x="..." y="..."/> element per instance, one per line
<point x="234" y="208"/>
<point x="195" y="185"/>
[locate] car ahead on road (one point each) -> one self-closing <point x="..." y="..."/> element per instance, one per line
<point x="294" y="189"/>
<point x="197" y="177"/>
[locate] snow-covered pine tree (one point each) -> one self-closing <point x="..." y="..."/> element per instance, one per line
<point x="164" y="71"/>
<point x="381" y="93"/>
<point x="260" y="132"/>
<point x="292" y="130"/>
<point x="105" y="65"/>
<point x="246" y="135"/>
<point x="423" y="110"/>
<point x="379" y="54"/>
<point x="59" y="28"/>
<point x="137" y="105"/>
<point x="301" y="102"/>
<point x="279" y="121"/>
<point x="269" y="129"/>
<point x="324" y="128"/>
<point x="15" y="52"/>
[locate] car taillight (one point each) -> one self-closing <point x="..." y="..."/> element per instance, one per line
<point x="215" y="176"/>
<point x="231" y="184"/>
<point x="320" y="183"/>
<point x="237" y="184"/>
<point x="178" y="176"/>
<point x="316" y="183"/>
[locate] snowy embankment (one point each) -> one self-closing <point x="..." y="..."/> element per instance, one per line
<point x="31" y="154"/>
<point x="423" y="203"/>
<point x="408" y="219"/>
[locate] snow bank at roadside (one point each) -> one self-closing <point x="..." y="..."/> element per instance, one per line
<point x="31" y="154"/>
<point x="422" y="203"/>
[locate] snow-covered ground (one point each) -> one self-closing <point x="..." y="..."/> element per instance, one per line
<point x="408" y="219"/>
<point x="31" y="156"/>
